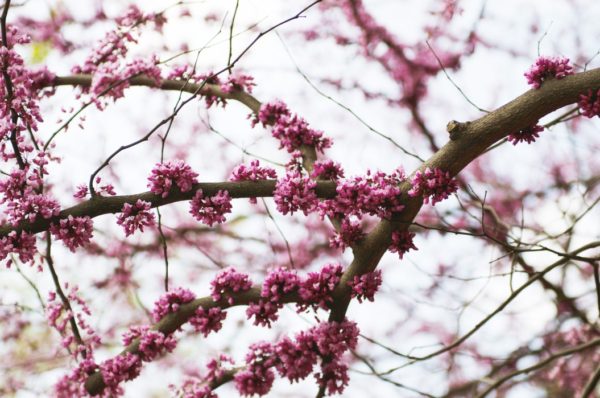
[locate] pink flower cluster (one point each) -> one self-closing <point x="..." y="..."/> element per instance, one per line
<point x="291" y="130"/>
<point x="528" y="134"/>
<point x="548" y="68"/>
<point x="164" y="175"/>
<point x="238" y="82"/>
<point x="295" y="192"/>
<point x="227" y="282"/>
<point x="20" y="243"/>
<point x="295" y="359"/>
<point x="589" y="104"/>
<point x="254" y="172"/>
<point x="25" y="96"/>
<point x="278" y="283"/>
<point x="435" y="185"/>
<point x="210" y="210"/>
<point x="327" y="170"/>
<point x="350" y="233"/>
<point x="317" y="288"/>
<point x="136" y="217"/>
<point x="73" y="231"/>
<point x="207" y="321"/>
<point x="119" y="369"/>
<point x="111" y="79"/>
<point x="402" y="242"/>
<point x="365" y="286"/>
<point x="152" y="343"/>
<point x="170" y="302"/>
<point x="376" y="194"/>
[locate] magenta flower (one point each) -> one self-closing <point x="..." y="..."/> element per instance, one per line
<point x="435" y="185"/>
<point x="228" y="282"/>
<point x="546" y="68"/>
<point x="207" y="321"/>
<point x="402" y="242"/>
<point x="165" y="175"/>
<point x="295" y="192"/>
<point x="528" y="134"/>
<point x="365" y="286"/>
<point x="211" y="210"/>
<point x="136" y="217"/>
<point x="73" y="231"/>
<point x="170" y="302"/>
<point x="589" y="104"/>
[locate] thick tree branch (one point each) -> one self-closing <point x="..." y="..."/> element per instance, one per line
<point x="114" y="204"/>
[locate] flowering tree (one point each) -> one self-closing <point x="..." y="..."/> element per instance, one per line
<point x="245" y="199"/>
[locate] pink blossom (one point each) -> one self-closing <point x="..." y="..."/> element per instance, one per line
<point x="295" y="192"/>
<point x="170" y="302"/>
<point x="136" y="217"/>
<point x="327" y="170"/>
<point x="30" y="206"/>
<point x="254" y="172"/>
<point x="402" y="242"/>
<point x="152" y="343"/>
<point x="164" y="175"/>
<point x="20" y="243"/>
<point x="258" y="377"/>
<point x="435" y="185"/>
<point x="207" y="321"/>
<point x="317" y="288"/>
<point x="350" y="233"/>
<point x="589" y="103"/>
<point x="546" y="68"/>
<point x="365" y="286"/>
<point x="73" y="231"/>
<point x="376" y="194"/>
<point x="528" y="134"/>
<point x="333" y="376"/>
<point x="238" y="83"/>
<point x="211" y="210"/>
<point x="291" y="130"/>
<point x="118" y="369"/>
<point x="264" y="312"/>
<point x="228" y="282"/>
<point x="278" y="283"/>
<point x="295" y="359"/>
<point x="335" y="338"/>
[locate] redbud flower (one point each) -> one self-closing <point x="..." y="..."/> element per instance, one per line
<point x="547" y="68"/>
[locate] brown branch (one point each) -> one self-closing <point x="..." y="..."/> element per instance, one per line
<point x="114" y="204"/>
<point x="173" y="321"/>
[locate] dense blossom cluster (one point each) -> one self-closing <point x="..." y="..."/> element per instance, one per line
<point x="227" y="282"/>
<point x="528" y="134"/>
<point x="152" y="343"/>
<point x="165" y="175"/>
<point x="24" y="96"/>
<point x="295" y="359"/>
<point x="291" y="130"/>
<point x="136" y="217"/>
<point x="350" y="232"/>
<point x="402" y="242"/>
<point x="295" y="192"/>
<point x="212" y="209"/>
<point x="170" y="302"/>
<point x="207" y="321"/>
<point x="433" y="185"/>
<point x="365" y="286"/>
<point x="119" y="369"/>
<point x="20" y="243"/>
<point x="317" y="288"/>
<point x="589" y="103"/>
<point x="375" y="194"/>
<point x="73" y="231"/>
<point x="327" y="170"/>
<point x="278" y="283"/>
<point x="546" y="68"/>
<point x="253" y="172"/>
